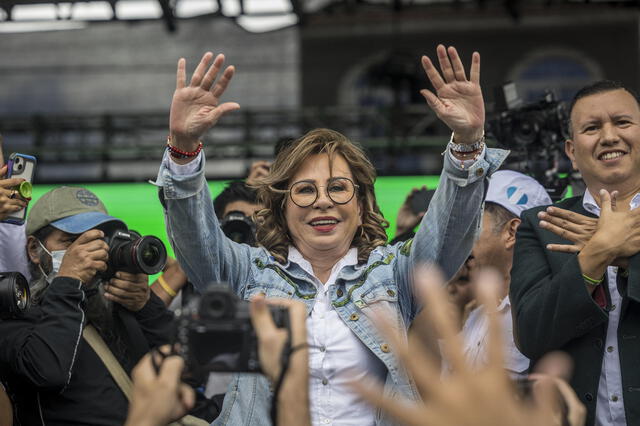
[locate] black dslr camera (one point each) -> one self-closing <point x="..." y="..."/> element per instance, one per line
<point x="239" y="228"/>
<point x="215" y="332"/>
<point x="131" y="252"/>
<point x="14" y="295"/>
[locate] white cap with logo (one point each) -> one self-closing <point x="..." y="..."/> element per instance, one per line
<point x="516" y="192"/>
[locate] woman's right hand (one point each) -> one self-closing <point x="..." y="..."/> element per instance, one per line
<point x="10" y="200"/>
<point x="195" y="107"/>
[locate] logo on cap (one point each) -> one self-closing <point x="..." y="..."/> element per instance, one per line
<point x="516" y="196"/>
<point x="87" y="198"/>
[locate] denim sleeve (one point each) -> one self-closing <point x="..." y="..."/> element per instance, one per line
<point x="204" y="252"/>
<point x="450" y="226"/>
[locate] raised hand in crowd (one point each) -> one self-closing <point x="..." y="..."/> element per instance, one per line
<point x="196" y="106"/>
<point x="457" y="101"/>
<point x="484" y="397"/>
<point x="10" y="199"/>
<point x="258" y="170"/>
<point x="129" y="290"/>
<point x="293" y="398"/>
<point x="159" y="397"/>
<point x="86" y="256"/>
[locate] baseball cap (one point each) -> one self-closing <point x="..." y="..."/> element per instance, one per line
<point x="70" y="209"/>
<point x="516" y="192"/>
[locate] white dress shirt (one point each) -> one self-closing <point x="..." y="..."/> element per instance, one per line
<point x="336" y="357"/>
<point x="475" y="340"/>
<point x="610" y="403"/>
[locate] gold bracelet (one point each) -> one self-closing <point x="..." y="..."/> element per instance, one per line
<point x="171" y="292"/>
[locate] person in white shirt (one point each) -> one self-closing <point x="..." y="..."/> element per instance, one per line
<point x="509" y="194"/>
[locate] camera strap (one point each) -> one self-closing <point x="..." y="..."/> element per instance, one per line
<point x="97" y="343"/>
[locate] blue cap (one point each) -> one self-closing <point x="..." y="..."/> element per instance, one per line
<point x="82" y="222"/>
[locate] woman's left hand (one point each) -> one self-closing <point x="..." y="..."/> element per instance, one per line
<point x="458" y="100"/>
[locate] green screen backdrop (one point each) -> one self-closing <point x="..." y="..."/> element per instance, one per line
<point x="138" y="206"/>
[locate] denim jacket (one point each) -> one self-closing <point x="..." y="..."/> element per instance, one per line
<point x="445" y="238"/>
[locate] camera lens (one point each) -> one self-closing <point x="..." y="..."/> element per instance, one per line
<point x="150" y="255"/>
<point x="14" y="294"/>
<point x="135" y="254"/>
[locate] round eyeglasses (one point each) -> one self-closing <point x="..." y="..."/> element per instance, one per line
<point x="340" y="190"/>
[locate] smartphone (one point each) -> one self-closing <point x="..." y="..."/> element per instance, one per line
<point x="20" y="166"/>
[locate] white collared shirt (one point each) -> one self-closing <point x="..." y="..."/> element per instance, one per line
<point x="475" y="340"/>
<point x="610" y="403"/>
<point x="336" y="357"/>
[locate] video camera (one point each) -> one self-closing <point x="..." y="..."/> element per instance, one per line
<point x="535" y="133"/>
<point x="131" y="252"/>
<point x="215" y="332"/>
<point x="14" y="295"/>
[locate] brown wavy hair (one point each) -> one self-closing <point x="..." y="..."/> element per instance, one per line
<point x="273" y="233"/>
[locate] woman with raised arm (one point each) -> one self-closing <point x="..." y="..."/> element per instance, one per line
<point x="322" y="237"/>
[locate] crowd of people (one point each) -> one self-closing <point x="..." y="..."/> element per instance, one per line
<point x="492" y="306"/>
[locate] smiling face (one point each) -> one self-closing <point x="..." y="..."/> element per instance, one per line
<point x="606" y="140"/>
<point x="324" y="229"/>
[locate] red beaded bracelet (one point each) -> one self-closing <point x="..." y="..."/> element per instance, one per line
<point x="178" y="153"/>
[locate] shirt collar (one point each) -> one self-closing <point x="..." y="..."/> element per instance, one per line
<point x="505" y="304"/>
<point x="590" y="205"/>
<point x="351" y="258"/>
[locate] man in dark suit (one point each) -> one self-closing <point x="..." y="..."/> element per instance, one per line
<point x="575" y="282"/>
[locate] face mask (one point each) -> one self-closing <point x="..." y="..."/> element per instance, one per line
<point x="56" y="261"/>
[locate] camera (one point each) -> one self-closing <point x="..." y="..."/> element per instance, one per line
<point x="239" y="228"/>
<point x="215" y="332"/>
<point x="535" y="134"/>
<point x="14" y="295"/>
<point x="131" y="252"/>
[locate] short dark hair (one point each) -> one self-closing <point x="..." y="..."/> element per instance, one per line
<point x="500" y="215"/>
<point x="235" y="190"/>
<point x="601" y="86"/>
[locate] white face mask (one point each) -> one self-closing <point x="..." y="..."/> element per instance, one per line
<point x="56" y="261"/>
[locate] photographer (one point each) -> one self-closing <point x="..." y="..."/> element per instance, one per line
<point x="235" y="207"/>
<point x="53" y="371"/>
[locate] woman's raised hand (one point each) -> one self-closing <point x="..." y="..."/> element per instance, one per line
<point x="458" y="101"/>
<point x="196" y="106"/>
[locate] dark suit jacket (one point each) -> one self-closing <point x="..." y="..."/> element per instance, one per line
<point x="552" y="310"/>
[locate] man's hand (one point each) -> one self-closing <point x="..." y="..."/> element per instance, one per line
<point x="569" y="225"/>
<point x="130" y="290"/>
<point x="458" y="101"/>
<point x="617" y="238"/>
<point x="195" y="107"/>
<point x="10" y="200"/>
<point x="85" y="257"/>
<point x="159" y="398"/>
